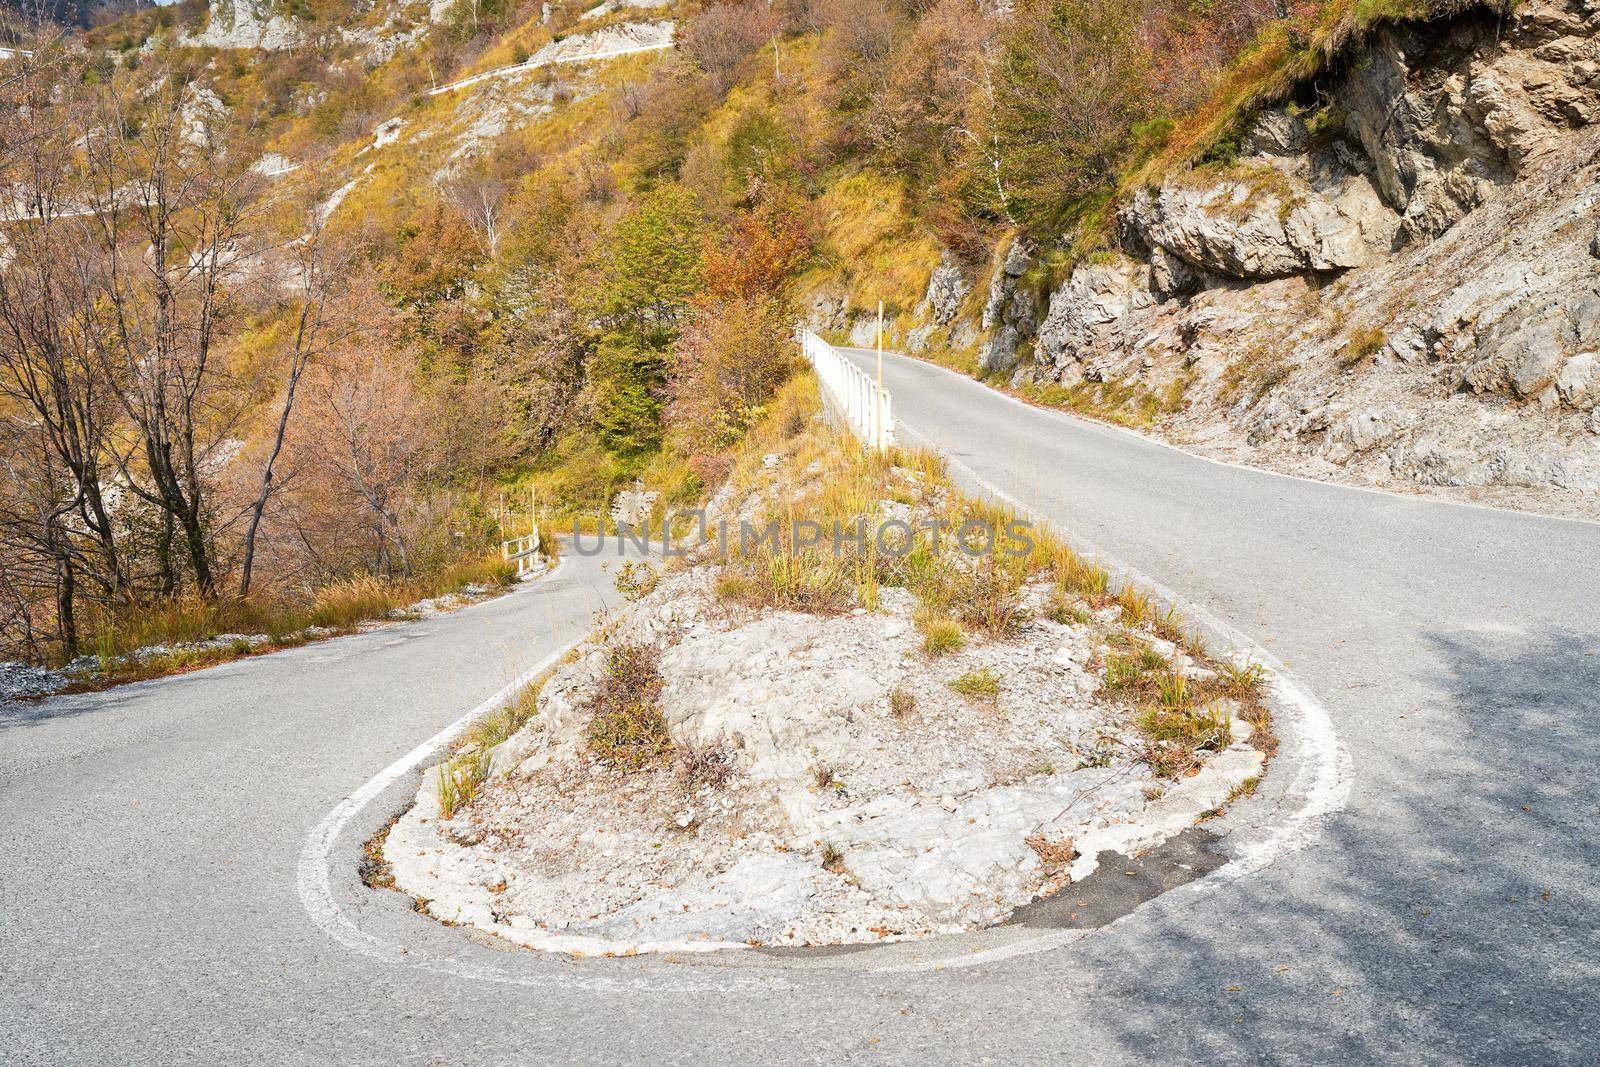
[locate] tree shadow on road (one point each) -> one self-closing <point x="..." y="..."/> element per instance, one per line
<point x="1449" y="914"/>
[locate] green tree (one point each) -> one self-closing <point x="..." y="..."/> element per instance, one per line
<point x="625" y="376"/>
<point x="1075" y="81"/>
<point x="651" y="267"/>
<point x="648" y="272"/>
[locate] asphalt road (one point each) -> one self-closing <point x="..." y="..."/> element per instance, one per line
<point x="152" y="838"/>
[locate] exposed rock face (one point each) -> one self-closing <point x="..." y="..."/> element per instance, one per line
<point x="1011" y="310"/>
<point x="1092" y="297"/>
<point x="947" y="288"/>
<point x="1365" y="430"/>
<point x="247" y="24"/>
<point x="1401" y="288"/>
<point x="1448" y="115"/>
<point x="1262" y="220"/>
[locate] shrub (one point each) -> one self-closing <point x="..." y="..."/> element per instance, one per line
<point x="704" y="764"/>
<point x="1206" y="728"/>
<point x="626" y="728"/>
<point x="636" y="579"/>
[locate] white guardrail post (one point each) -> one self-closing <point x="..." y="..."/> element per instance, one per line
<point x="865" y="409"/>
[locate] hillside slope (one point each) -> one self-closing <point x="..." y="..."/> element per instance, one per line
<point x="1393" y="281"/>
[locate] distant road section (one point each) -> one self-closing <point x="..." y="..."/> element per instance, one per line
<point x="627" y="40"/>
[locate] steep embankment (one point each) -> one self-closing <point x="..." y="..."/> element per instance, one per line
<point x="1393" y="282"/>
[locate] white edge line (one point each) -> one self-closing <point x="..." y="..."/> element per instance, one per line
<point x="1323" y="780"/>
<point x="314" y="873"/>
<point x="314" y="877"/>
<point x="1420" y="497"/>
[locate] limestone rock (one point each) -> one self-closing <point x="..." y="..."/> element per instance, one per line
<point x="1258" y="221"/>
<point x="1364" y="430"/>
<point x="1276" y="133"/>
<point x="948" y="286"/>
<point x="1409" y="111"/>
<point x="1011" y="310"/>
<point x="1579" y="381"/>
<point x="246" y="24"/>
<point x="1092" y="297"/>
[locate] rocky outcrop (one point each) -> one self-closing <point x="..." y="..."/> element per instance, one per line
<point x="1395" y="283"/>
<point x="1260" y="220"/>
<point x="1093" y="297"/>
<point x="1449" y="114"/>
<point x="1011" y="312"/>
<point x="948" y="287"/>
<point x="246" y="24"/>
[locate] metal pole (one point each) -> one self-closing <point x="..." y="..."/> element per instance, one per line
<point x="877" y="400"/>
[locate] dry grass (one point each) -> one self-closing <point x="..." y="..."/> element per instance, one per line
<point x="626" y="728"/>
<point x="1364" y="343"/>
<point x="1053" y="855"/>
<point x="941" y="636"/>
<point x="902" y="702"/>
<point x="1257" y="372"/>
<point x="980" y="686"/>
<point x="282" y="619"/>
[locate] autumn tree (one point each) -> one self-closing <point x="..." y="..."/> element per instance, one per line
<point x="720" y="37"/>
<point x="737" y="347"/>
<point x="316" y="276"/>
<point x="1075" y="84"/>
<point x="172" y="216"/>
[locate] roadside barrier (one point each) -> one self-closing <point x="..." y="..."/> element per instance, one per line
<point x="860" y="403"/>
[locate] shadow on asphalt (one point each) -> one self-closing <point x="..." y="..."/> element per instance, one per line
<point x="1444" y="947"/>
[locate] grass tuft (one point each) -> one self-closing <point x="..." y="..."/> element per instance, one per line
<point x="982" y="685"/>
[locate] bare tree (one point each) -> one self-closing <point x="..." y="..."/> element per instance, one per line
<point x="171" y="213"/>
<point x="318" y="268"/>
<point x="371" y="439"/>
<point x="48" y="303"/>
<point x="481" y="199"/>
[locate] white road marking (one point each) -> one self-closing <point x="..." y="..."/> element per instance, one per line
<point x="1323" y="785"/>
<point x="1323" y="782"/>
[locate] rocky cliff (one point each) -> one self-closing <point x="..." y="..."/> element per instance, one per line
<point x="1395" y="281"/>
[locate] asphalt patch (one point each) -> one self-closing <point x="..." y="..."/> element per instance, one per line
<point x="1121" y="884"/>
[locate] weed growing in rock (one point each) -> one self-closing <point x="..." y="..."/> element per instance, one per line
<point x="1363" y="345"/>
<point x="942" y="636"/>
<point x="1241" y="681"/>
<point x="981" y="685"/>
<point x="636" y="579"/>
<point x="626" y="729"/>
<point x="1173" y="688"/>
<point x="704" y="764"/>
<point x="1137" y="607"/>
<point x="1205" y="728"/>
<point x="459" y="779"/>
<point x="1066" y="612"/>
<point x="902" y="702"/>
